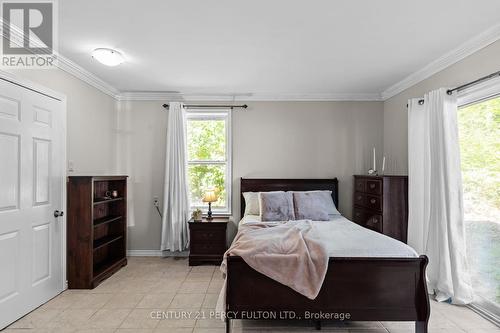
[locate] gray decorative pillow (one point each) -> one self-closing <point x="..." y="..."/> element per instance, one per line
<point x="276" y="206"/>
<point x="313" y="205"/>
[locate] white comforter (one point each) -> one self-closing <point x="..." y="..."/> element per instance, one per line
<point x="343" y="238"/>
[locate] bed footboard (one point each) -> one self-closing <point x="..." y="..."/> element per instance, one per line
<point x="355" y="289"/>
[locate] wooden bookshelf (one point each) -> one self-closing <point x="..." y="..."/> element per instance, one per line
<point x="97" y="229"/>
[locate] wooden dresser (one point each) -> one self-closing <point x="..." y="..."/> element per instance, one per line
<point x="97" y="226"/>
<point x="380" y="203"/>
<point x="207" y="241"/>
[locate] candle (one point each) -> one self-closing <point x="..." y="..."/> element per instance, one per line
<point x="374" y="162"/>
<point x="383" y="164"/>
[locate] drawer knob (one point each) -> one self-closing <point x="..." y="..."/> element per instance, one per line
<point x="372" y="201"/>
<point x="372" y="186"/>
<point x="359" y="197"/>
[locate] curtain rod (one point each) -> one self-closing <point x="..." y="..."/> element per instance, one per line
<point x="467" y="85"/>
<point x="191" y="106"/>
<point x="473" y="83"/>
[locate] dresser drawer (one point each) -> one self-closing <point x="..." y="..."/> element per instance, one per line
<point x="359" y="185"/>
<point x="368" y="200"/>
<point x="368" y="219"/>
<point x="359" y="199"/>
<point x="374" y="186"/>
<point x="373" y="202"/>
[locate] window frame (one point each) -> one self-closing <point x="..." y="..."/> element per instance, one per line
<point x="473" y="95"/>
<point x="215" y="114"/>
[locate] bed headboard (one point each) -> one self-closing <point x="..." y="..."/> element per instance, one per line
<point x="266" y="185"/>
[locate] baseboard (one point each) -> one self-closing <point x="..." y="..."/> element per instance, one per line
<point x="144" y="253"/>
<point x="156" y="253"/>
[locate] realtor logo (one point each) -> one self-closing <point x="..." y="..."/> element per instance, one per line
<point x="28" y="34"/>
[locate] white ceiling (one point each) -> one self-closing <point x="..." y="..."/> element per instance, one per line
<point x="267" y="47"/>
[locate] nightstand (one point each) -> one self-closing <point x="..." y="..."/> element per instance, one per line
<point x="207" y="241"/>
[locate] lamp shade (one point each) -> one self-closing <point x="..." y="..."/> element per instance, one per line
<point x="210" y="196"/>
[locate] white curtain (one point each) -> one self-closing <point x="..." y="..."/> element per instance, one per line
<point x="175" y="236"/>
<point x="436" y="218"/>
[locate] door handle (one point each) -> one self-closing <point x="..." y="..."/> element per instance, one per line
<point x="58" y="213"/>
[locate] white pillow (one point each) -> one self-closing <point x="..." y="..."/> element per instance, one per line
<point x="324" y="200"/>
<point x="252" y="204"/>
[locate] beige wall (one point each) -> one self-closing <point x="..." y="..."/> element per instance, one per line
<point x="141" y="155"/>
<point x="90" y="120"/>
<point x="270" y="139"/>
<point x="479" y="64"/>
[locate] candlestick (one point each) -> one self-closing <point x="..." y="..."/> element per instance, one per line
<point x="374" y="160"/>
<point x="383" y="165"/>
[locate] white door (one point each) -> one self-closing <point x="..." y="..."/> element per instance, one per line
<point x="32" y="143"/>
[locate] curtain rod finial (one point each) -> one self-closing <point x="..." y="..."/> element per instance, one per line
<point x="165" y="106"/>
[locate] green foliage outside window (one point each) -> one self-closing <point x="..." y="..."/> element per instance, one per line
<point x="479" y="134"/>
<point x="479" y="131"/>
<point x="206" y="147"/>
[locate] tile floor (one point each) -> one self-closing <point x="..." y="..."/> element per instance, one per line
<point x="125" y="303"/>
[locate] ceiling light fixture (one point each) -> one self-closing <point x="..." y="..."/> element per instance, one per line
<point x="108" y="57"/>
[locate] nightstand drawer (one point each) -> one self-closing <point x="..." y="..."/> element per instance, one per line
<point x="208" y="234"/>
<point x="208" y="248"/>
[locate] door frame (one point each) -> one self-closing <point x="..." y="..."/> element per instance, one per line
<point x="38" y="88"/>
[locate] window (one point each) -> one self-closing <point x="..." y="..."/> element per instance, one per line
<point x="479" y="134"/>
<point x="209" y="158"/>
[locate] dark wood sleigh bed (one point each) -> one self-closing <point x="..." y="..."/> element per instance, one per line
<point x="355" y="289"/>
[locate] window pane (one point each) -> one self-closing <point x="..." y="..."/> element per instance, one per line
<point x="205" y="176"/>
<point x="479" y="129"/>
<point x="206" y="140"/>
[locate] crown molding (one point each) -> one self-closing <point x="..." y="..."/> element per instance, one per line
<point x="63" y="63"/>
<point x="173" y="96"/>
<point x="308" y="97"/>
<point x="162" y="96"/>
<point x="471" y="46"/>
<point x="90" y="78"/>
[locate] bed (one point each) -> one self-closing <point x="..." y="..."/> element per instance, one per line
<point x="356" y="288"/>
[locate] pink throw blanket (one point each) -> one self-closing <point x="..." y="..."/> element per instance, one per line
<point x="288" y="252"/>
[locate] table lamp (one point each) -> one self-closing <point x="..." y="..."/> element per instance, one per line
<point x="209" y="196"/>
